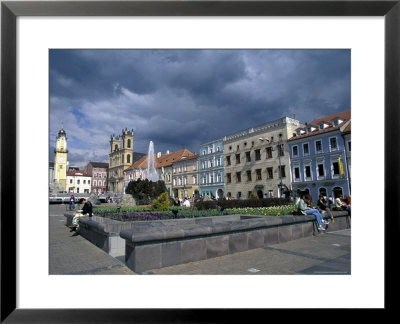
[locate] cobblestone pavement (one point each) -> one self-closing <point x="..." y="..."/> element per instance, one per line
<point x="327" y="253"/>
<point x="70" y="253"/>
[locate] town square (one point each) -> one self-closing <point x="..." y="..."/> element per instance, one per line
<point x="180" y="184"/>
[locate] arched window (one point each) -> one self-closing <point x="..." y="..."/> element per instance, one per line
<point x="116" y="147"/>
<point x="128" y="158"/>
<point x="322" y="191"/>
<point x="337" y="191"/>
<point x="129" y="144"/>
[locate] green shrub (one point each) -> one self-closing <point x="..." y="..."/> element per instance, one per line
<point x="162" y="202"/>
<point x="243" y="203"/>
<point x="253" y="196"/>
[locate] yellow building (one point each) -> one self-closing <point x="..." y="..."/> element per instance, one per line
<point x="60" y="162"/>
<point x="121" y="158"/>
<point x="185" y="177"/>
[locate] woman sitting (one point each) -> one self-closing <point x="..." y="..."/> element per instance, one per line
<point x="305" y="209"/>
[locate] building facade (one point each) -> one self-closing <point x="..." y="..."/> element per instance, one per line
<point x="121" y="158"/>
<point x="163" y="165"/>
<point x="78" y="181"/>
<point x="211" y="172"/>
<point x="98" y="171"/>
<point x="257" y="160"/>
<point x="60" y="162"/>
<point x="319" y="158"/>
<point x="185" y="177"/>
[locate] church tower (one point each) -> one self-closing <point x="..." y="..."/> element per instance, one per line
<point x="121" y="158"/>
<point x="60" y="162"/>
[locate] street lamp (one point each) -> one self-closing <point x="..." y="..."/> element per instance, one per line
<point x="280" y="166"/>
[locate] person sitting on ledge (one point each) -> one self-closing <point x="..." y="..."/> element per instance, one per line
<point x="86" y="210"/>
<point x="305" y="210"/>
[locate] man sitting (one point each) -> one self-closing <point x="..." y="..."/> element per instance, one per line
<point x="86" y="210"/>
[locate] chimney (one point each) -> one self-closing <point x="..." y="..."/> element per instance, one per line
<point x="158" y="154"/>
<point x="167" y="152"/>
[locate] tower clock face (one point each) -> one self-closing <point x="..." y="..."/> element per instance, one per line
<point x="61" y="159"/>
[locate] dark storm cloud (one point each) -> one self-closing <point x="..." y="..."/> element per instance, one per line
<point x="182" y="98"/>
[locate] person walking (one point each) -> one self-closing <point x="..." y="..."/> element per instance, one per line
<point x="72" y="202"/>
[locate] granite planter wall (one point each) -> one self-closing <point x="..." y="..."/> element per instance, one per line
<point x="166" y="244"/>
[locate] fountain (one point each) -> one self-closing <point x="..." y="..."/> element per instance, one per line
<point x="151" y="172"/>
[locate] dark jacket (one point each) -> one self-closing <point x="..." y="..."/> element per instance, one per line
<point x="87" y="208"/>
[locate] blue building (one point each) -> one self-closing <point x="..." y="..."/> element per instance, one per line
<point x="211" y="169"/>
<point x="319" y="157"/>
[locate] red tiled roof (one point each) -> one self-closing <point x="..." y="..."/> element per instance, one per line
<point x="345" y="115"/>
<point x="163" y="160"/>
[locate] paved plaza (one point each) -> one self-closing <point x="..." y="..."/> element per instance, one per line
<point x="327" y="253"/>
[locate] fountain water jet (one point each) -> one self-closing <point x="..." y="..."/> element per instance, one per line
<point x="151" y="172"/>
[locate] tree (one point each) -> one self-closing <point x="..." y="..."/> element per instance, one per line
<point x="145" y="190"/>
<point x="162" y="202"/>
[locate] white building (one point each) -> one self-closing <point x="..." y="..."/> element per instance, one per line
<point x="78" y="181"/>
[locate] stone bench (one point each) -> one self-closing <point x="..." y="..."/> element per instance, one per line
<point x="165" y="243"/>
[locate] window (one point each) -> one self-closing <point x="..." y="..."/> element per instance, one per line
<point x="219" y="162"/>
<point x="321" y="172"/>
<point x="349" y="146"/>
<point x="248" y="159"/>
<point x="282" y="172"/>
<point x="281" y="150"/>
<point x="335" y="168"/>
<point x="211" y="163"/>
<point x="211" y="178"/>
<point x="305" y="149"/>
<point x="318" y="146"/>
<point x="258" y="155"/>
<point x="270" y="173"/>
<point x="218" y="148"/>
<point x="333" y="143"/>
<point x="295" y="151"/>
<point x="219" y="177"/>
<point x="228" y="178"/>
<point x="204" y="152"/>
<point x="78" y="181"/>
<point x="248" y="175"/>
<point x="94" y="183"/>
<point x="228" y="160"/>
<point x="307" y="171"/>
<point x="194" y="179"/>
<point x="297" y="173"/>
<point x="203" y="165"/>
<point x="185" y="180"/>
<point x="258" y="174"/>
<point x="129" y="144"/>
<point x="194" y="165"/>
<point x="238" y="177"/>
<point x="269" y="152"/>
<point x="211" y="150"/>
<point x="128" y="158"/>
<point x="84" y="181"/>
<point x="237" y="158"/>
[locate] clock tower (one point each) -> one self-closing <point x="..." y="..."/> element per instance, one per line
<point x="60" y="162"/>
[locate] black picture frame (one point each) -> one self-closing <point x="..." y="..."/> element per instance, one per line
<point x="10" y="10"/>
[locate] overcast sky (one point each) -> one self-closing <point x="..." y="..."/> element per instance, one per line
<point x="183" y="98"/>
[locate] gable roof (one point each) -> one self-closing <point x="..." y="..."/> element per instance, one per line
<point x="78" y="173"/>
<point x="99" y="164"/>
<point x="163" y="161"/>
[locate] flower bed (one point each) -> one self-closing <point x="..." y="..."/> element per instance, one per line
<point x="146" y="214"/>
